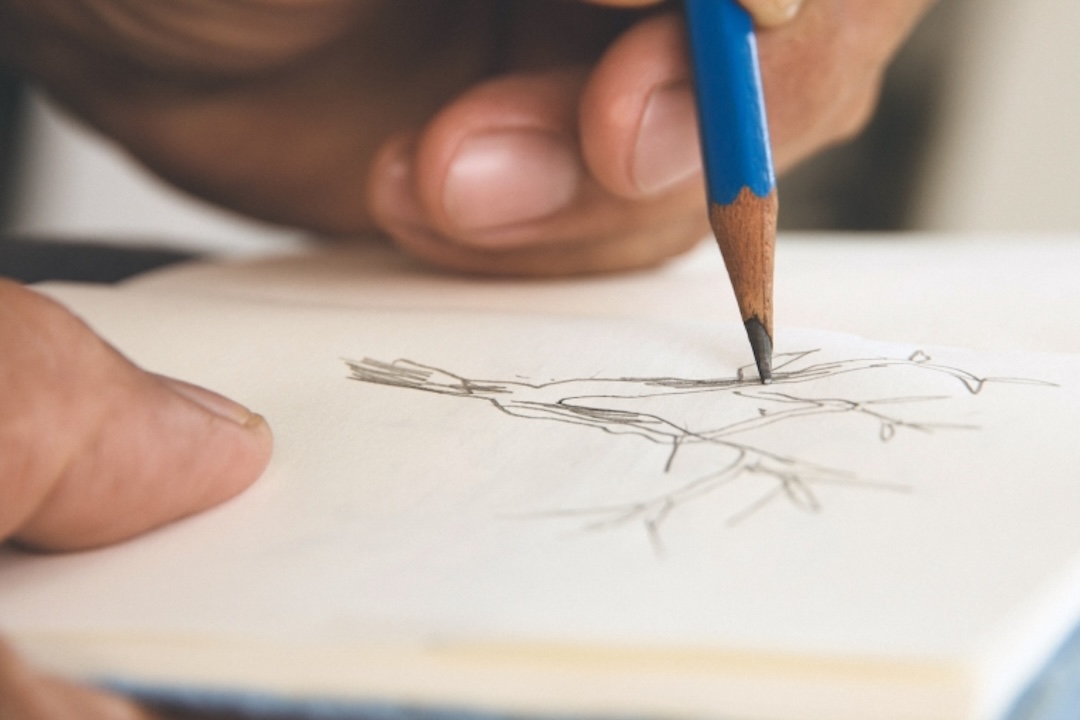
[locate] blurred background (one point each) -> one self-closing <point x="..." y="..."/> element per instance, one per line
<point x="976" y="131"/>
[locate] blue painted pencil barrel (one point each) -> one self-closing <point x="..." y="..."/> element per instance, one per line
<point x="731" y="106"/>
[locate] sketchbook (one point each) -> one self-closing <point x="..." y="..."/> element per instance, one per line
<point x="486" y="508"/>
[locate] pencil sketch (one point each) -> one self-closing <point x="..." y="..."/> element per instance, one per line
<point x="647" y="408"/>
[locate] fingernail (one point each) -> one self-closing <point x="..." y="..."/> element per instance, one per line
<point x="667" y="151"/>
<point x="219" y="405"/>
<point x="787" y="9"/>
<point x="510" y="177"/>
<point x="770" y="13"/>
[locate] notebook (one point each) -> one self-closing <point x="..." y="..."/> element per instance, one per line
<point x="574" y="498"/>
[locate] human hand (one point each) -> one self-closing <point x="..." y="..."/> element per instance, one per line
<point x="94" y="450"/>
<point x="494" y="136"/>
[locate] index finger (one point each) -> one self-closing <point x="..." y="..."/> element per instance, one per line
<point x="767" y="13"/>
<point x="624" y="3"/>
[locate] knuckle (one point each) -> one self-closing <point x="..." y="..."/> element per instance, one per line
<point x="856" y="114"/>
<point x="825" y="80"/>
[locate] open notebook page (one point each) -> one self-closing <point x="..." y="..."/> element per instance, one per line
<point x="974" y="291"/>
<point x="543" y="514"/>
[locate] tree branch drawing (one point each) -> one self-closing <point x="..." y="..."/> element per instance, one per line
<point x="607" y="405"/>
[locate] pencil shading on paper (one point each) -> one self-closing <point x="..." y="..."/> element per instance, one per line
<point x="746" y="409"/>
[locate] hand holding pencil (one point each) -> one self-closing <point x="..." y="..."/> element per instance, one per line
<point x="501" y="137"/>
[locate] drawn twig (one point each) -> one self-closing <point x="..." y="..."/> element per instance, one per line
<point x="591" y="402"/>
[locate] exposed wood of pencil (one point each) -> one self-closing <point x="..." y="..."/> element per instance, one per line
<point x="746" y="233"/>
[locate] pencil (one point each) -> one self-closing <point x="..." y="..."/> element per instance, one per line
<point x="738" y="160"/>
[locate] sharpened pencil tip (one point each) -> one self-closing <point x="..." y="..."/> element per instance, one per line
<point x="761" y="344"/>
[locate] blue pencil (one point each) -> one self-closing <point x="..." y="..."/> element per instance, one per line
<point x="738" y="160"/>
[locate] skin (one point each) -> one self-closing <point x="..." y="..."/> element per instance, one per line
<point x="529" y="137"/>
<point x="122" y="451"/>
<point x="347" y="117"/>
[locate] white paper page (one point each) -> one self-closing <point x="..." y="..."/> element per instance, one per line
<point x="984" y="292"/>
<point x="518" y="482"/>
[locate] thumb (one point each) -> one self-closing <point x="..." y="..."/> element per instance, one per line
<point x="94" y="449"/>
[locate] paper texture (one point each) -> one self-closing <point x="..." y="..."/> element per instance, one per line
<point x="515" y="490"/>
<point x="978" y="292"/>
